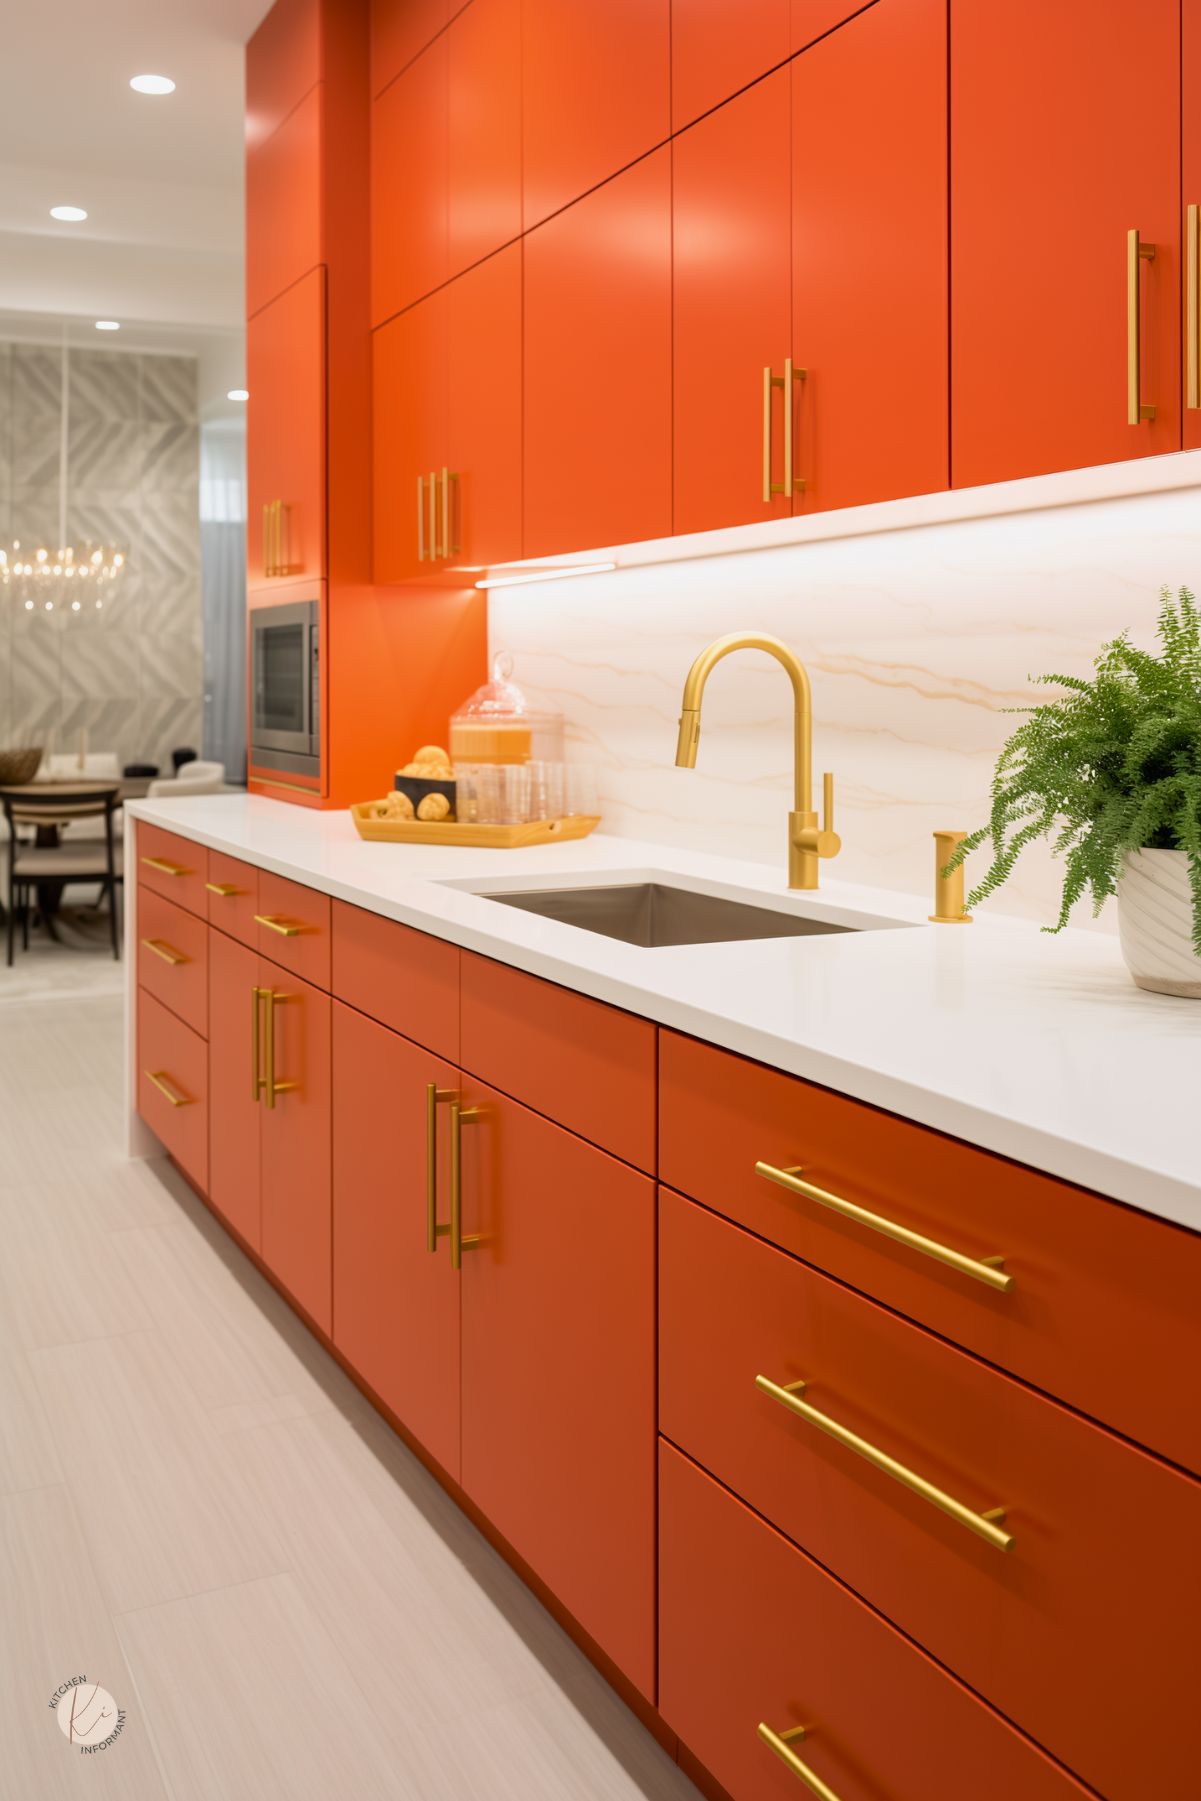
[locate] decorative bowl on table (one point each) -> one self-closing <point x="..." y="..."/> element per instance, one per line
<point x="18" y="767"/>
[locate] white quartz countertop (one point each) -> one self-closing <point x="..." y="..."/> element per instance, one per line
<point x="1037" y="1047"/>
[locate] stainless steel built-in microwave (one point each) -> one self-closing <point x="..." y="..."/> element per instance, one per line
<point x="285" y="688"/>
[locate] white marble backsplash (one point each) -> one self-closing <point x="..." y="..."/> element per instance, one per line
<point x="915" y="640"/>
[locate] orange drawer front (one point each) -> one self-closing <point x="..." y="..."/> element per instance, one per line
<point x="173" y="1086"/>
<point x="1078" y="1263"/>
<point x="232" y="891"/>
<point x="751" y="1630"/>
<point x="1088" y="1615"/>
<point x="172" y="866"/>
<point x="405" y="979"/>
<point x="589" y="1067"/>
<point x="173" y="958"/>
<point x="294" y="927"/>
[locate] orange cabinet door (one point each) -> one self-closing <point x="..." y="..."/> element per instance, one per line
<point x="596" y="85"/>
<point x="1191" y="199"/>
<point x="558" y="1349"/>
<point x="750" y="1630"/>
<point x="172" y="1086"/>
<point x="234" y="1061"/>
<point x="484" y="381"/>
<point x="483" y="130"/>
<point x="285" y="450"/>
<point x="409" y="375"/>
<point x="295" y="1180"/>
<point x="396" y="1298"/>
<point x="1065" y="137"/>
<point x="598" y="367"/>
<point x="869" y="250"/>
<point x="731" y="308"/>
<point x="283" y="61"/>
<point x="283" y="204"/>
<point x="409" y="217"/>
<point x="718" y="49"/>
<point x="1088" y="1613"/>
<point x="400" y="30"/>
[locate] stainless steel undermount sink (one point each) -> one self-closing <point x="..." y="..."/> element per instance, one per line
<point x="653" y="914"/>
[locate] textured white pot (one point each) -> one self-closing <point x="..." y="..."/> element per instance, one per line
<point x="1155" y="922"/>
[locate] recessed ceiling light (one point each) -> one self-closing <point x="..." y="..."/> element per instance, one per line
<point x="152" y="84"/>
<point x="238" y="394"/>
<point x="108" y="325"/>
<point x="71" y="215"/>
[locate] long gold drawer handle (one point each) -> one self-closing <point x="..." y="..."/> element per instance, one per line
<point x="1136" y="253"/>
<point x="984" y="1525"/>
<point x="225" y="890"/>
<point x="421" y="519"/>
<point x="460" y="1116"/>
<point x="163" y="867"/>
<point x="273" y="924"/>
<point x="781" y="1743"/>
<point x="256" y="1043"/>
<point x="162" y="1082"/>
<point x="433" y="1231"/>
<point x="981" y="1269"/>
<point x="793" y="484"/>
<point x="270" y="1086"/>
<point x="166" y="951"/>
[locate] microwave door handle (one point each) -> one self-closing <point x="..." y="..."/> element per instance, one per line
<point x="313" y="686"/>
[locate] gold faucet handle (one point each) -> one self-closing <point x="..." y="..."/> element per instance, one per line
<point x="823" y="840"/>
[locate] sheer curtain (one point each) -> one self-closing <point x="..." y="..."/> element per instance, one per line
<point x="223" y="577"/>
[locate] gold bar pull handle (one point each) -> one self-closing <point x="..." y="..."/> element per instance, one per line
<point x="948" y="888"/>
<point x="266" y="537"/>
<point x="1136" y="253"/>
<point x="460" y="1116"/>
<point x="433" y="1231"/>
<point x="256" y="1044"/>
<point x="166" y="951"/>
<point x="452" y="506"/>
<point x="769" y="486"/>
<point x="285" y="537"/>
<point x="985" y="1525"/>
<point x="781" y="1743"/>
<point x="1192" y="309"/>
<point x="433" y="516"/>
<point x="445" y="481"/>
<point x="421" y="519"/>
<point x="270" y="1086"/>
<point x="163" y="1083"/>
<point x="224" y="890"/>
<point x="284" y="927"/>
<point x="793" y="484"/>
<point x="982" y="1269"/>
<point x="163" y="867"/>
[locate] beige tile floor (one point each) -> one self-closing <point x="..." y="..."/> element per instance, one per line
<point x="200" y="1513"/>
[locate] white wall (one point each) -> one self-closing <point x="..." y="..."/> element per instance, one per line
<point x="915" y="639"/>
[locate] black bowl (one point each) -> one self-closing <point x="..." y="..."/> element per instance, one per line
<point x="417" y="787"/>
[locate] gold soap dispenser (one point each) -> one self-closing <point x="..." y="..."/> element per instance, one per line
<point x="948" y="888"/>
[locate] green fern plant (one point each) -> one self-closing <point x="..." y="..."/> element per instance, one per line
<point x="1111" y="765"/>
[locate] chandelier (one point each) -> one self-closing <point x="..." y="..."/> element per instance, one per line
<point x="71" y="576"/>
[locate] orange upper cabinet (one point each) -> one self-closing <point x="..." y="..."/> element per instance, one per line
<point x="283" y="204"/>
<point x="410" y="435"/>
<point x="596" y="85"/>
<point x="409" y="202"/>
<point x="869" y="257"/>
<point x="286" y="461"/>
<point x="400" y="30"/>
<point x="717" y="49"/>
<point x="1191" y="167"/>
<point x="283" y="61"/>
<point x="731" y="309"/>
<point x="483" y="130"/>
<point x="484" y="370"/>
<point x="598" y="366"/>
<point x="1065" y="140"/>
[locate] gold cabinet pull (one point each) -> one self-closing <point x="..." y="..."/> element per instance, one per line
<point x="273" y="923"/>
<point x="256" y="1044"/>
<point x="460" y="1116"/>
<point x="1136" y="253"/>
<point x="1192" y="310"/>
<point x="226" y="890"/>
<point x="781" y="1743"/>
<point x="433" y="1096"/>
<point x="167" y="952"/>
<point x="420" y="519"/>
<point x="433" y="516"/>
<point x="450" y="514"/>
<point x="981" y="1269"/>
<point x="162" y="1082"/>
<point x="791" y="483"/>
<point x="984" y="1525"/>
<point x="163" y="867"/>
<point x="266" y="537"/>
<point x="270" y="1086"/>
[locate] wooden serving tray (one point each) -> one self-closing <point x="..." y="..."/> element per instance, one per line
<point x="485" y="837"/>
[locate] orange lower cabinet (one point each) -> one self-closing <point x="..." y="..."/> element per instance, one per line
<point x="753" y="1634"/>
<point x="173" y="1086"/>
<point x="1077" y="1604"/>
<point x="235" y="1058"/>
<point x="396" y="1297"/>
<point x="558" y="1349"/>
<point x="295" y="1122"/>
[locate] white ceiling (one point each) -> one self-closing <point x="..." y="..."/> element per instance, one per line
<point x="161" y="178"/>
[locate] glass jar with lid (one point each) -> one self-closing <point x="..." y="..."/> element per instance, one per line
<point x="496" y="724"/>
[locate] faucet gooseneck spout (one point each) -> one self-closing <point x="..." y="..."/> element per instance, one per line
<point x="807" y="843"/>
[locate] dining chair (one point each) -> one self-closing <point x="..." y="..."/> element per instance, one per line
<point x="49" y="862"/>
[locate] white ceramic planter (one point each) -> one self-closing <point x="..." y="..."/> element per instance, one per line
<point x="1155" y="922"/>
